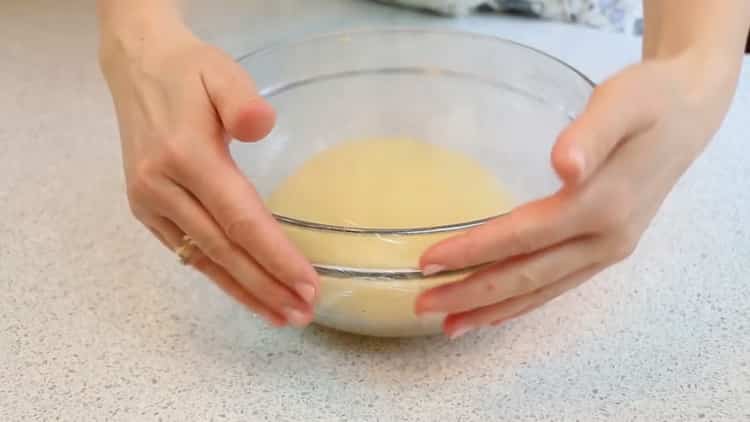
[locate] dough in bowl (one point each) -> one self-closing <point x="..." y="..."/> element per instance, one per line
<point x="384" y="184"/>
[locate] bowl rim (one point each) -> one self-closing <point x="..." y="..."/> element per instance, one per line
<point x="302" y="40"/>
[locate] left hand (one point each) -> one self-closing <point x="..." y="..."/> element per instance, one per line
<point x="618" y="160"/>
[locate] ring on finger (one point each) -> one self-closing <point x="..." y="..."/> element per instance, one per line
<point x="186" y="249"/>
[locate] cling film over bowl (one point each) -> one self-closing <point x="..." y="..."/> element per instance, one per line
<point x="377" y="299"/>
<point x="377" y="306"/>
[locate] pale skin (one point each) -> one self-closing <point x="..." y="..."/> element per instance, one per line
<point x="179" y="101"/>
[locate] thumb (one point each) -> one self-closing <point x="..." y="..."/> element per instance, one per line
<point x="618" y="109"/>
<point x="245" y="115"/>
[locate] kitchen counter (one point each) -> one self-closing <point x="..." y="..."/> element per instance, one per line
<point x="99" y="323"/>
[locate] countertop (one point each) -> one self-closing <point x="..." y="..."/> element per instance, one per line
<point x="98" y="322"/>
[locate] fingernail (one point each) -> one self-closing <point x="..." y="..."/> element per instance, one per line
<point x="460" y="332"/>
<point x="305" y="291"/>
<point x="577" y="157"/>
<point x="274" y="321"/>
<point x="295" y="317"/>
<point x="432" y="269"/>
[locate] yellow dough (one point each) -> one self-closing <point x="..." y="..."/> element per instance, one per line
<point x="383" y="184"/>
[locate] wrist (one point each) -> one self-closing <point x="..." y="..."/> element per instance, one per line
<point x="710" y="72"/>
<point x="698" y="71"/>
<point x="702" y="83"/>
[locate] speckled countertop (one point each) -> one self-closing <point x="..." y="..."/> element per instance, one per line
<point x="98" y="323"/>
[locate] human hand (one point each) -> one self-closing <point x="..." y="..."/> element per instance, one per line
<point x="618" y="160"/>
<point x="178" y="102"/>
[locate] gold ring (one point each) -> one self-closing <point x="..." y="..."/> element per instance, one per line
<point x="185" y="249"/>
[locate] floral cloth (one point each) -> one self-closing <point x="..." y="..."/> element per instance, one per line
<point x="616" y="15"/>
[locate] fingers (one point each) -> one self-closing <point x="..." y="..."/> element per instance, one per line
<point x="171" y="236"/>
<point x="239" y="211"/>
<point x="245" y="115"/>
<point x="193" y="219"/>
<point x="227" y="194"/>
<point x="617" y="110"/>
<point x="509" y="279"/>
<point x="459" y="324"/>
<point x="233" y="288"/>
<point x="526" y="229"/>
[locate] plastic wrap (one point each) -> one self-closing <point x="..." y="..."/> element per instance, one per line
<point x="377" y="307"/>
<point x="372" y="304"/>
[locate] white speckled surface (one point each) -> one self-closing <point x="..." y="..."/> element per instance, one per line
<point x="98" y="323"/>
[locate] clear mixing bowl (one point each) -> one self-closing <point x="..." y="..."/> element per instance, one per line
<point x="499" y="102"/>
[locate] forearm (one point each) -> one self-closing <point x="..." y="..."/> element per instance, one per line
<point x="127" y="28"/>
<point x="716" y="30"/>
<point x="114" y="14"/>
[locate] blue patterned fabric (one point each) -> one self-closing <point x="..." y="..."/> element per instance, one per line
<point x="616" y="15"/>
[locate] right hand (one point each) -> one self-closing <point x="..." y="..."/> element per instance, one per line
<point x="179" y="101"/>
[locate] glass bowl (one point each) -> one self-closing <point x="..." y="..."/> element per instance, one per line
<point x="496" y="101"/>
